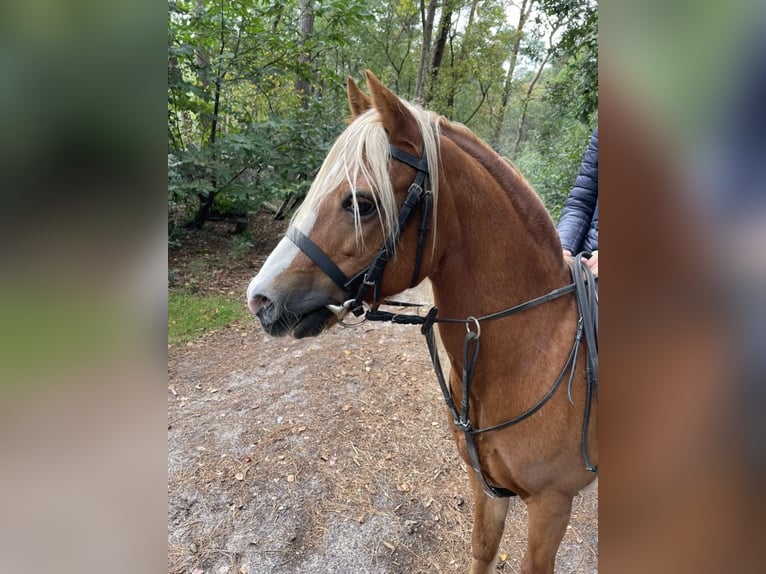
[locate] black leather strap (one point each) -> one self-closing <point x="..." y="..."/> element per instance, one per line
<point x="587" y="304"/>
<point x="419" y="164"/>
<point x="374" y="274"/>
<point x="426" y="205"/>
<point x="583" y="286"/>
<point x="318" y="256"/>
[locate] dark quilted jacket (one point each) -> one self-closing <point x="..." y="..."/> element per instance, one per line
<point x="578" y="226"/>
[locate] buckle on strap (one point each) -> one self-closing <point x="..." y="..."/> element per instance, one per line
<point x="367" y="281"/>
<point x="463" y="425"/>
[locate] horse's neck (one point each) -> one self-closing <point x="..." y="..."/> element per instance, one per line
<point x="489" y="263"/>
<point x="497" y="247"/>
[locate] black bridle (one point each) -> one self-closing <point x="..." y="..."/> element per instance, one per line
<point x="356" y="289"/>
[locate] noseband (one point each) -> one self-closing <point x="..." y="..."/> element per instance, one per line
<point x="356" y="287"/>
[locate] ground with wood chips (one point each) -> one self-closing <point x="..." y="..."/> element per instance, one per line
<point x="326" y="455"/>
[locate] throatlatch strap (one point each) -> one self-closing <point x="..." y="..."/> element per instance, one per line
<point x="426" y="205"/>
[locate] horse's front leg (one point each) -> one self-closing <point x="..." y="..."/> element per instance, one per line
<point x="548" y="518"/>
<point x="488" y="523"/>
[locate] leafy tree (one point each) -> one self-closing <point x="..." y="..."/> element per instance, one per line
<point x="575" y="88"/>
<point x="256" y="88"/>
<point x="247" y="114"/>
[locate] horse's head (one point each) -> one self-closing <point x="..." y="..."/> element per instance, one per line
<point x="350" y="211"/>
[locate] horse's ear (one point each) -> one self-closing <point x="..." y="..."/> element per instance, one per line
<point x="397" y="119"/>
<point x="357" y="101"/>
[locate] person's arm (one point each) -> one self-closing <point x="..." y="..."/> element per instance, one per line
<point x="578" y="210"/>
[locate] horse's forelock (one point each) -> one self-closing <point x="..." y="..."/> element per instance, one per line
<point x="362" y="153"/>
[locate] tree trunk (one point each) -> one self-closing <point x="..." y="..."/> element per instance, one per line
<point x="528" y="95"/>
<point x="207" y="200"/>
<point x="438" y="54"/>
<point x="458" y="60"/>
<point x="468" y="27"/>
<point x="526" y="8"/>
<point x="277" y="18"/>
<point x="427" y="19"/>
<point x="305" y="30"/>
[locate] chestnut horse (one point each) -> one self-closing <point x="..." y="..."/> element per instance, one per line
<point x="487" y="243"/>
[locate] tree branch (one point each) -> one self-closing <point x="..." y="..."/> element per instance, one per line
<point x="484" y="92"/>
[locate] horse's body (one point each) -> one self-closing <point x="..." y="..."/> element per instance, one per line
<point x="492" y="245"/>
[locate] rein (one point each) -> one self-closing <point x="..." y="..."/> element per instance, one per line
<point x="356" y="289"/>
<point x="584" y="287"/>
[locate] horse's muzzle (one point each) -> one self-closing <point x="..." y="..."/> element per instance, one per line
<point x="312" y="324"/>
<point x="273" y="321"/>
<point x="278" y="320"/>
<point x="259" y="304"/>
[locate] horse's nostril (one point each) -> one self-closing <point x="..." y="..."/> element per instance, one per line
<point x="257" y="303"/>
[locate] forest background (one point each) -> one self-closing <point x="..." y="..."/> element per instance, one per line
<point x="256" y="91"/>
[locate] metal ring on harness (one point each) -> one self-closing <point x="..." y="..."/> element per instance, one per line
<point x="342" y="310"/>
<point x="475" y="321"/>
<point x="363" y="319"/>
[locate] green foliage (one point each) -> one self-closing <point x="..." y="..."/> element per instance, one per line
<point x="242" y="130"/>
<point x="44" y="336"/>
<point x="240" y="245"/>
<point x="575" y="88"/>
<point x="237" y="134"/>
<point x="191" y="315"/>
<point x="267" y="160"/>
<point x="551" y="164"/>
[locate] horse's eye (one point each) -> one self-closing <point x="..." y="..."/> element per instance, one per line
<point x="366" y="207"/>
<point x="365" y="203"/>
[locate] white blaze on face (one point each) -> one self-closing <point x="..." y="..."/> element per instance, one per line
<point x="279" y="260"/>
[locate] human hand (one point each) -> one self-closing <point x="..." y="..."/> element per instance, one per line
<point x="593" y="263"/>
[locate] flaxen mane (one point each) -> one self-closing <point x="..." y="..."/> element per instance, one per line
<point x="360" y="156"/>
